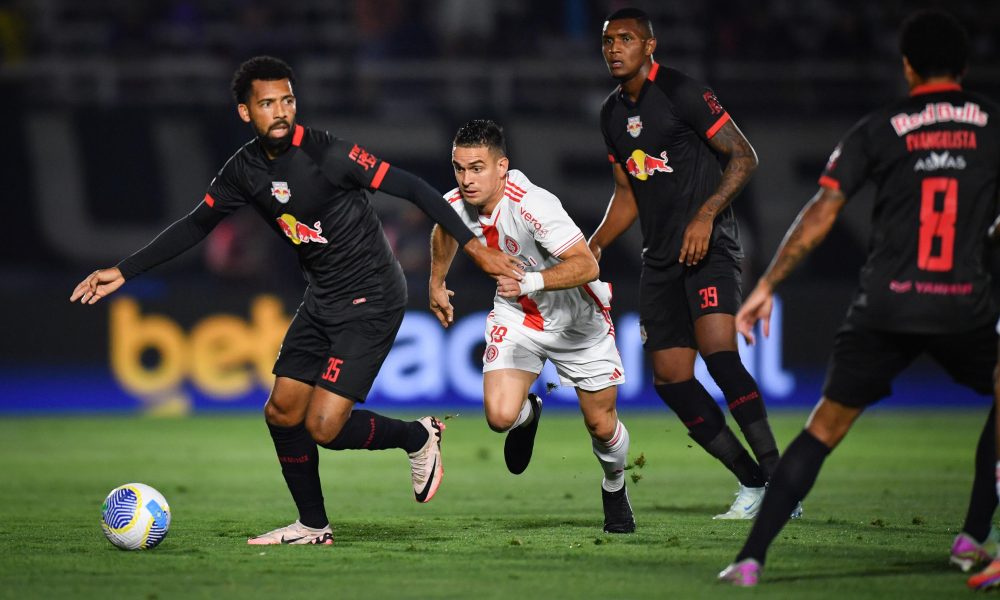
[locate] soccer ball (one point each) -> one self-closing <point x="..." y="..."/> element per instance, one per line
<point x="135" y="516"/>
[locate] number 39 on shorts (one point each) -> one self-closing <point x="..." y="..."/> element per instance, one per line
<point x="709" y="297"/>
<point x="497" y="334"/>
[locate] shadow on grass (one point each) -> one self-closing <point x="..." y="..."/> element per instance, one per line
<point x="892" y="568"/>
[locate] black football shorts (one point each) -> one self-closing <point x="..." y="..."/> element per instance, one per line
<point x="672" y="299"/>
<point x="343" y="356"/>
<point x="865" y="361"/>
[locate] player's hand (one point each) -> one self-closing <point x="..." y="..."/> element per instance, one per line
<point x="508" y="287"/>
<point x="441" y="306"/>
<point x="494" y="263"/>
<point x="97" y="285"/>
<point x="756" y="307"/>
<point x="697" y="236"/>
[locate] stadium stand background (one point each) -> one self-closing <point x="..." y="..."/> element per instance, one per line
<point x="118" y="113"/>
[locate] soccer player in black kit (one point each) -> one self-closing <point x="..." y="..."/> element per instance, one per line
<point x="664" y="132"/>
<point x="935" y="160"/>
<point x="309" y="186"/>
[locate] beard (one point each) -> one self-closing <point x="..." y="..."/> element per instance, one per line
<point x="276" y="146"/>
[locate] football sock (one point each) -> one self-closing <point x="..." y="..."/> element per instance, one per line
<point x="612" y="455"/>
<point x="707" y="426"/>
<point x="746" y="405"/>
<point x="983" y="502"/>
<point x="299" y="461"/>
<point x="365" y="430"/>
<point x="760" y="439"/>
<point x="726" y="447"/>
<point x="794" y="477"/>
<point x="524" y="416"/>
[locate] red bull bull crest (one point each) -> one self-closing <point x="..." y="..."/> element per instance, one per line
<point x="280" y="191"/>
<point x="299" y="232"/>
<point x="641" y="165"/>
<point x="634" y="126"/>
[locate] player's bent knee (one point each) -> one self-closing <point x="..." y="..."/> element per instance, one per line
<point x="501" y="419"/>
<point x="274" y="415"/>
<point x="322" y="428"/>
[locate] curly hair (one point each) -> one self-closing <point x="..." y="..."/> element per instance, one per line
<point x="264" y="68"/>
<point x="935" y="44"/>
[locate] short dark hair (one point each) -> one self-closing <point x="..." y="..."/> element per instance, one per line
<point x="263" y="68"/>
<point x="633" y="13"/>
<point x="482" y="133"/>
<point x="935" y="43"/>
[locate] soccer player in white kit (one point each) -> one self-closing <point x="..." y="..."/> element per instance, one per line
<point x="559" y="311"/>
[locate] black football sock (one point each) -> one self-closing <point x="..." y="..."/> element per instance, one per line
<point x="746" y="405"/>
<point x="299" y="460"/>
<point x="365" y="430"/>
<point x="794" y="477"/>
<point x="707" y="426"/>
<point x="983" y="502"/>
<point x="760" y="439"/>
<point x="726" y="447"/>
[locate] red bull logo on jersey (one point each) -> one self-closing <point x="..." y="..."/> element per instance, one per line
<point x="939" y="112"/>
<point x="280" y="191"/>
<point x="634" y="126"/>
<point x="299" y="232"/>
<point x="641" y="165"/>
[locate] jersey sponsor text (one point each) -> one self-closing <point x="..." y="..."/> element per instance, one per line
<point x="939" y="112"/>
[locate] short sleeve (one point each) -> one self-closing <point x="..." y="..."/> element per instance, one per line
<point x="347" y="164"/>
<point x="551" y="225"/>
<point x="224" y="192"/>
<point x="606" y="110"/>
<point x="699" y="107"/>
<point x="848" y="166"/>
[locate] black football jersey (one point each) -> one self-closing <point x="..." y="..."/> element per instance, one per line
<point x="661" y="142"/>
<point x="313" y="196"/>
<point x="934" y="158"/>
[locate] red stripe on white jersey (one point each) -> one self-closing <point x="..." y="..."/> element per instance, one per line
<point x="492" y="236"/>
<point x="516" y="187"/>
<point x="532" y="316"/>
<point x="455" y="198"/>
<point x="576" y="238"/>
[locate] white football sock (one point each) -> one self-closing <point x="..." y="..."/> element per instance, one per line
<point x="612" y="455"/>
<point x="525" y="416"/>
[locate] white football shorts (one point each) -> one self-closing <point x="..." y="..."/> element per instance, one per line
<point x="585" y="356"/>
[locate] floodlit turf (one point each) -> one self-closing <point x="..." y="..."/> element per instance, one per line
<point x="878" y="524"/>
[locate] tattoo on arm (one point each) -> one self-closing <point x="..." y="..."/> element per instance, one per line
<point x="730" y="141"/>
<point x="809" y="229"/>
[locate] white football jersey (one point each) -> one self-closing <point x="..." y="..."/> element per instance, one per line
<point x="531" y="224"/>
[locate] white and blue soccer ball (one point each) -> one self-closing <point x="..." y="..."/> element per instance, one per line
<point x="135" y="516"/>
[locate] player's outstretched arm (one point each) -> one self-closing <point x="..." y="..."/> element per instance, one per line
<point x="809" y="229"/>
<point x="578" y="267"/>
<point x="730" y="142"/>
<point x="622" y="212"/>
<point x="181" y="235"/>
<point x="403" y="184"/>
<point x="97" y="285"/>
<point x="443" y="249"/>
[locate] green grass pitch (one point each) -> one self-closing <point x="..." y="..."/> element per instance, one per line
<point x="878" y="524"/>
